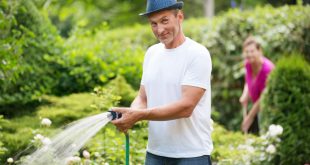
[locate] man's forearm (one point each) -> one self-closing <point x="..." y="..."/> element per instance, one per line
<point x="176" y="110"/>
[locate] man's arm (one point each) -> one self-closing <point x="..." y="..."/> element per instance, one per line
<point x="180" y="109"/>
<point x="140" y="102"/>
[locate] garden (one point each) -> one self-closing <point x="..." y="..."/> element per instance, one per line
<point x="56" y="69"/>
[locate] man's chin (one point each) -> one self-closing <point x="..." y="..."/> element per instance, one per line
<point x="164" y="41"/>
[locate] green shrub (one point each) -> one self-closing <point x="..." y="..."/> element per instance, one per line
<point x="28" y="44"/>
<point x="123" y="89"/>
<point x="286" y="102"/>
<point x="2" y="149"/>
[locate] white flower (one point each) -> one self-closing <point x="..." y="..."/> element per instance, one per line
<point x="10" y="160"/>
<point x="38" y="137"/>
<point x="97" y="154"/>
<point x="72" y="160"/>
<point x="250" y="141"/>
<point x="86" y="154"/>
<point x="271" y="149"/>
<point x="250" y="149"/>
<point x="46" y="141"/>
<point x="46" y="122"/>
<point x="275" y="130"/>
<point x="76" y="159"/>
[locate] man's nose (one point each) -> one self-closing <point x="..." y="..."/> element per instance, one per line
<point x="160" y="29"/>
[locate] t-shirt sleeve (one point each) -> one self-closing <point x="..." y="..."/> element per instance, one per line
<point x="198" y="72"/>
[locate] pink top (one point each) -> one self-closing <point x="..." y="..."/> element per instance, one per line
<point x="257" y="84"/>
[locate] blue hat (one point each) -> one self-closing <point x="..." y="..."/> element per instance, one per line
<point x="159" y="5"/>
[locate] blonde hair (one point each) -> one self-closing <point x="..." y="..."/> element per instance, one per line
<point x="251" y="40"/>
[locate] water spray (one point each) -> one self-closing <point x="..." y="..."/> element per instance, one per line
<point x="65" y="144"/>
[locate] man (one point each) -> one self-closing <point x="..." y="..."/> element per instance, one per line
<point x="175" y="92"/>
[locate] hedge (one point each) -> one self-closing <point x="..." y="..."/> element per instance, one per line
<point x="286" y="102"/>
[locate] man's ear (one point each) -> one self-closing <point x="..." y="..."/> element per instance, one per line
<point x="180" y="15"/>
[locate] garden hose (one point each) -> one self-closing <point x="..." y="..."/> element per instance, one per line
<point x="115" y="115"/>
<point x="127" y="148"/>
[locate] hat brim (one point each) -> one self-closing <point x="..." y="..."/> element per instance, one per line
<point x="178" y="5"/>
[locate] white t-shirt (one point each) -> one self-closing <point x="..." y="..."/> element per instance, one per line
<point x="164" y="73"/>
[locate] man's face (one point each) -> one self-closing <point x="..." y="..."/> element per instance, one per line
<point x="251" y="53"/>
<point x="166" y="25"/>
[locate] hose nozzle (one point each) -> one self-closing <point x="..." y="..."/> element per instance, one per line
<point x="115" y="115"/>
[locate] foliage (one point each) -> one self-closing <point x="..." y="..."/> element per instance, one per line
<point x="2" y="149"/>
<point x="286" y="102"/>
<point x="238" y="149"/>
<point x="121" y="88"/>
<point x="28" y="42"/>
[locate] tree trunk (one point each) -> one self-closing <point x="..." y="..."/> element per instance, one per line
<point x="208" y="8"/>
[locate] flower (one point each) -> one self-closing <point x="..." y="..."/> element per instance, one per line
<point x="97" y="154"/>
<point x="275" y="130"/>
<point x="86" y="154"/>
<point x="46" y="122"/>
<point x="72" y="160"/>
<point x="46" y="141"/>
<point x="271" y="149"/>
<point x="38" y="137"/>
<point x="10" y="160"/>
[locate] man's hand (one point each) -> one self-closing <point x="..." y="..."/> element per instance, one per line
<point x="129" y="118"/>
<point x="247" y="122"/>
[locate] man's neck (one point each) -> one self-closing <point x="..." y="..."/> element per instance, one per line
<point x="179" y="40"/>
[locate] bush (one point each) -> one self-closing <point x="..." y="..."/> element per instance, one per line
<point x="28" y="43"/>
<point x="123" y="89"/>
<point x="286" y="102"/>
<point x="2" y="149"/>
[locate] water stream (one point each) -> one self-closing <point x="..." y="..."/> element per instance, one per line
<point x="69" y="141"/>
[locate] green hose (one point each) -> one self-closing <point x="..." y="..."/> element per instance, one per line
<point x="127" y="148"/>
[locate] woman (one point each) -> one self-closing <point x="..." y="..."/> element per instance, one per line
<point x="257" y="68"/>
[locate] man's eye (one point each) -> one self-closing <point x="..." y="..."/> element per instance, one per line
<point x="165" y="21"/>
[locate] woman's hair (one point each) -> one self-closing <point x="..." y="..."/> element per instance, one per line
<point x="251" y="40"/>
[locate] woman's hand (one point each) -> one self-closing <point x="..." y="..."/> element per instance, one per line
<point x="247" y="122"/>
